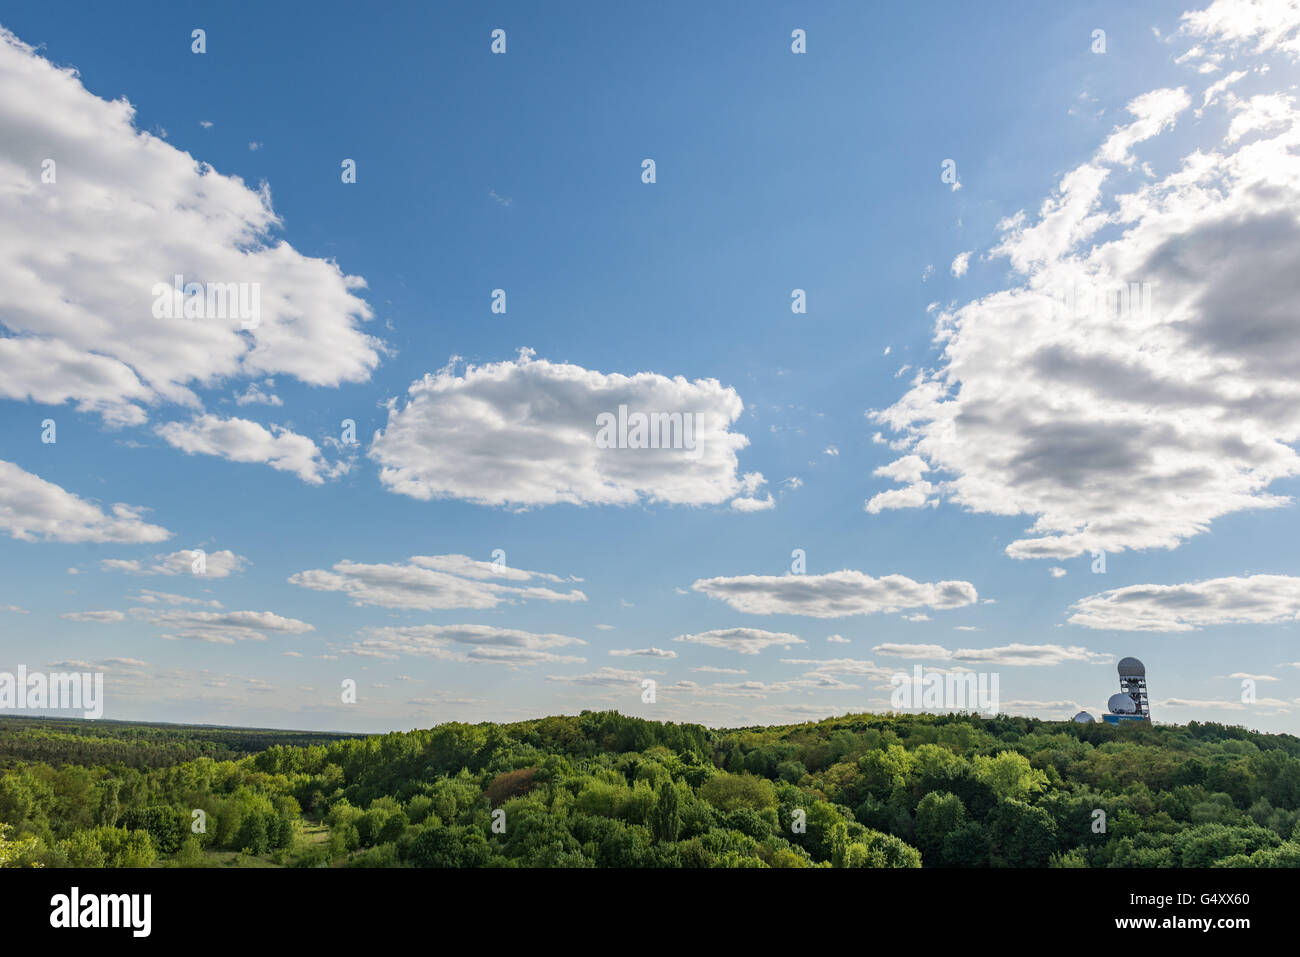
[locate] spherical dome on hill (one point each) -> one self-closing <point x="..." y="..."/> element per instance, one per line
<point x="1131" y="666"/>
<point x="1120" y="703"/>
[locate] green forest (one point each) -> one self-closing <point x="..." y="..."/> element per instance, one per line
<point x="604" y="790"/>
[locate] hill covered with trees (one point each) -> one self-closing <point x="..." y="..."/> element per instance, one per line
<point x="603" y="790"/>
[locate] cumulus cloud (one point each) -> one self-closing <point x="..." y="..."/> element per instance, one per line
<point x="1036" y="708"/>
<point x="747" y="641"/>
<point x="241" y="440"/>
<point x="125" y="212"/>
<point x="1023" y="655"/>
<point x="219" y="564"/>
<point x="32" y="509"/>
<point x="221" y="627"/>
<point x="650" y="652"/>
<point x="603" y="677"/>
<point x="256" y="394"/>
<point x="1257" y="599"/>
<point x="842" y="666"/>
<point x="1010" y="655"/>
<point x="834" y="595"/>
<point x="1259" y="26"/>
<point x="960" y="264"/>
<point x="474" y="644"/>
<point x="894" y="649"/>
<point x="428" y="582"/>
<point x="1139" y="380"/>
<point x="148" y="597"/>
<point x="524" y="433"/>
<point x="99" y="617"/>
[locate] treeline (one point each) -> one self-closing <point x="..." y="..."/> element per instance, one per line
<point x="604" y="790"/>
<point x="62" y="741"/>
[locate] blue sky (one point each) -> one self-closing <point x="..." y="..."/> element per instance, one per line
<point x="775" y="171"/>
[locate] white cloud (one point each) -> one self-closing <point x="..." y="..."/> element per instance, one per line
<point x="221" y="627"/>
<point x="1260" y="26"/>
<point x="1013" y="655"/>
<point x="1037" y="708"/>
<point x="747" y="641"/>
<point x="837" y="640"/>
<point x="241" y="440"/>
<point x="1117" y="426"/>
<point x="428" y="582"/>
<point x="834" y="595"/>
<point x="842" y="666"/>
<point x="1153" y="113"/>
<point x="478" y="644"/>
<point x="523" y="433"/>
<point x="219" y="564"/>
<point x="1023" y="655"/>
<point x="259" y="394"/>
<point x="1258" y="599"/>
<point x="1057" y="572"/>
<point x="604" y="677"/>
<point x="32" y="509"/>
<point x="1213" y="91"/>
<point x="961" y="264"/>
<point x="650" y="652"/>
<point x="98" y="617"/>
<point x="128" y="211"/>
<point x="902" y="650"/>
<point x="148" y="597"/>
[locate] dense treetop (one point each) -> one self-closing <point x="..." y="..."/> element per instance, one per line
<point x="601" y="789"/>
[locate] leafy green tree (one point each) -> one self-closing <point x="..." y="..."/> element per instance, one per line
<point x="109" y="808"/>
<point x="455" y="846"/>
<point x="14" y="853"/>
<point x="667" y="818"/>
<point x="1024" y="836"/>
<point x="937" y="816"/>
<point x="727" y="792"/>
<point x="1010" y="775"/>
<point x="968" y="846"/>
